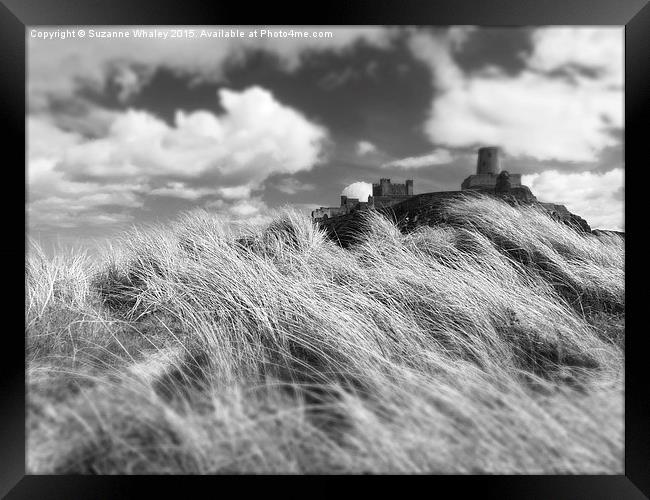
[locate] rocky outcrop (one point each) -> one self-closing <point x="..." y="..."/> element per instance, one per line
<point x="429" y="210"/>
<point x="603" y="232"/>
<point x="562" y="214"/>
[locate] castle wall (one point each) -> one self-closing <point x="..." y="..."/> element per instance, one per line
<point x="397" y="190"/>
<point x="386" y="201"/>
<point x="348" y="205"/>
<point x="328" y="212"/>
<point x="488" y="181"/>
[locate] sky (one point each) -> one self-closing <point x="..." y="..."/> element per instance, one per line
<point x="132" y="131"/>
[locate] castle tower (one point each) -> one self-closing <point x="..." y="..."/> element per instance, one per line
<point x="384" y="187"/>
<point x="488" y="173"/>
<point x="409" y="187"/>
<point x="489" y="161"/>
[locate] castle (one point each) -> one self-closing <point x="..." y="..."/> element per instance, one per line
<point x="489" y="178"/>
<point x="384" y="194"/>
<point x="428" y="208"/>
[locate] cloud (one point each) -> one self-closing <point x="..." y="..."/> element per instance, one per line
<point x="56" y="201"/>
<point x="596" y="197"/>
<point x="58" y="68"/>
<point x="439" y="156"/>
<point x="86" y="162"/>
<point x="365" y="147"/>
<point x="201" y="155"/>
<point x="183" y="191"/>
<point x="575" y="50"/>
<point x="562" y="106"/>
<point x="252" y="211"/>
<point x="255" y="137"/>
<point x="292" y="186"/>
<point x="336" y="79"/>
<point x="359" y="190"/>
<point x="93" y="210"/>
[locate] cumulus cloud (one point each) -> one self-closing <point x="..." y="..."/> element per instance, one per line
<point x="562" y="106"/>
<point x="597" y="197"/>
<point x="438" y="156"/>
<point x="57" y="69"/>
<point x="578" y="49"/>
<point x="201" y="154"/>
<point x="359" y="190"/>
<point x="365" y="147"/>
<point x="255" y="137"/>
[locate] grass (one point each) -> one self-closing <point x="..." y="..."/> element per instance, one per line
<point x="493" y="344"/>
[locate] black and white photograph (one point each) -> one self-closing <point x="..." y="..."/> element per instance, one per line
<point x="325" y="249"/>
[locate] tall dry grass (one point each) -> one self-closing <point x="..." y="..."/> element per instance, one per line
<point x="491" y="345"/>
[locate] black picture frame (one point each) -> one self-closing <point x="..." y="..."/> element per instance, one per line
<point x="16" y="15"/>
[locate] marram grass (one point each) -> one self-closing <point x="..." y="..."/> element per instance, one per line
<point x="493" y="344"/>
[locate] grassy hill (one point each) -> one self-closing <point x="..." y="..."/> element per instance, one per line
<point x="490" y="345"/>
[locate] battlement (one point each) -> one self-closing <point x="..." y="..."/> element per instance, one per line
<point x="386" y="188"/>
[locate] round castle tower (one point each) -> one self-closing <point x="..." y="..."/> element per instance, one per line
<point x="489" y="161"/>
